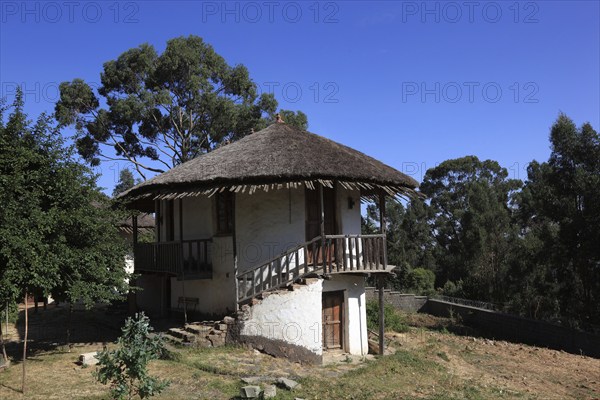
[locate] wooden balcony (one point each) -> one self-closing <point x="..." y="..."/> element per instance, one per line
<point x="187" y="259"/>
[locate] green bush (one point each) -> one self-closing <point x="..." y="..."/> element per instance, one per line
<point x="453" y="289"/>
<point x="126" y="368"/>
<point x="393" y="320"/>
<point x="421" y="281"/>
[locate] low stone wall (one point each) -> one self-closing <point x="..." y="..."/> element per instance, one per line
<point x="496" y="324"/>
<point x="404" y="302"/>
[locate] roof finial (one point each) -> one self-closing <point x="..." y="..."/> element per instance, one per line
<point x="279" y="119"/>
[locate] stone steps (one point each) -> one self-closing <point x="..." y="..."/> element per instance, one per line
<point x="170" y="342"/>
<point x="198" y="328"/>
<point x="183" y="335"/>
<point x="201" y="333"/>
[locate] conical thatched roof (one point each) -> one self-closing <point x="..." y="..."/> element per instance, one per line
<point x="145" y="223"/>
<point x="277" y="155"/>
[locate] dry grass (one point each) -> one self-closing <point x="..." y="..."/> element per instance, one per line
<point x="428" y="364"/>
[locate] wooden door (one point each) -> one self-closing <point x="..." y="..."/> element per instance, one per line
<point x="313" y="219"/>
<point x="333" y="320"/>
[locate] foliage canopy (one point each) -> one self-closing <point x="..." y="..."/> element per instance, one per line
<point x="164" y="109"/>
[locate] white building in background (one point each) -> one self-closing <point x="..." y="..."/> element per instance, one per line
<point x="268" y="229"/>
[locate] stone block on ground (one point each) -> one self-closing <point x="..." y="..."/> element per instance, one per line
<point x="88" y="359"/>
<point x="221" y="327"/>
<point x="288" y="384"/>
<point x="270" y="392"/>
<point x="251" y="380"/>
<point x="216" y="340"/>
<point x="250" y="392"/>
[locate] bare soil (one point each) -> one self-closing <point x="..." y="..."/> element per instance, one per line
<point x="519" y="369"/>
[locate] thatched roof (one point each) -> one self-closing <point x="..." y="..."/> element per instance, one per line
<point x="145" y="223"/>
<point x="279" y="155"/>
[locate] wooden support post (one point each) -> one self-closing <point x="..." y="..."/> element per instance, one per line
<point x="134" y="226"/>
<point x="381" y="284"/>
<point x="185" y="317"/>
<point x="382" y="230"/>
<point x="234" y="249"/>
<point x="381" y="278"/>
<point x="157" y="219"/>
<point x="322" y="202"/>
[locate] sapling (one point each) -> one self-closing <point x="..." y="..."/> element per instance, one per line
<point x="125" y="369"/>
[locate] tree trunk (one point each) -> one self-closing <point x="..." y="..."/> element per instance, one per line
<point x="2" y="342"/>
<point x="25" y="344"/>
<point x="69" y="326"/>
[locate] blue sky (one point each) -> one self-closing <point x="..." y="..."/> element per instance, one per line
<point x="411" y="83"/>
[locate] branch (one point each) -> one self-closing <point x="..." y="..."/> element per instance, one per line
<point x="128" y="156"/>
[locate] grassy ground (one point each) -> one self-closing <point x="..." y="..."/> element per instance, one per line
<point x="429" y="363"/>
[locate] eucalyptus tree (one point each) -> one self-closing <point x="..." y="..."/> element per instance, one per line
<point x="559" y="214"/>
<point x="160" y="110"/>
<point x="470" y="219"/>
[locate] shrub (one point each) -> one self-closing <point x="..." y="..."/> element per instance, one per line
<point x="453" y="289"/>
<point x="393" y="320"/>
<point x="421" y="281"/>
<point x="126" y="368"/>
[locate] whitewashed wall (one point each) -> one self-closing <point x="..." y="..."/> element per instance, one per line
<point x="355" y="329"/>
<point x="349" y="218"/>
<point x="293" y="317"/>
<point x="267" y="224"/>
<point x="216" y="295"/>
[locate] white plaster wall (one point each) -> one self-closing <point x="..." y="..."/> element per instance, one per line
<point x="267" y="224"/>
<point x="355" y="331"/>
<point x="216" y="295"/>
<point x="293" y="317"/>
<point x="349" y="218"/>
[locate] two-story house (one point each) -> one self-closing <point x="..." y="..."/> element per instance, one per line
<point x="272" y="221"/>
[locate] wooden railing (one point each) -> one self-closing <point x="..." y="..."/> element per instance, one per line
<point x="335" y="254"/>
<point x="352" y="253"/>
<point x="188" y="258"/>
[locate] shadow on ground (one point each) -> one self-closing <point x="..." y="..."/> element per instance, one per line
<point x="48" y="328"/>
